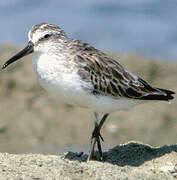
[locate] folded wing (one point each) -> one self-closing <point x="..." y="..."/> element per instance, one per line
<point x="109" y="78"/>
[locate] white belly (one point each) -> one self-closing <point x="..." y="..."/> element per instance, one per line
<point x="67" y="87"/>
<point x="56" y="79"/>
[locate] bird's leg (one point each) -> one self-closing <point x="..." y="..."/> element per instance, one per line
<point x="93" y="140"/>
<point x="96" y="136"/>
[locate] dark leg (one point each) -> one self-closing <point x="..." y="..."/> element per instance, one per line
<point x="93" y="140"/>
<point x="96" y="136"/>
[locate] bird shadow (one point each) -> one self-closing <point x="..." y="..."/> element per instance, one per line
<point x="131" y="154"/>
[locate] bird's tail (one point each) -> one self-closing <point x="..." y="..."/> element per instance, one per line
<point x="159" y="94"/>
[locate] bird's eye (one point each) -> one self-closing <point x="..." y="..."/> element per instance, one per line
<point x="47" y="36"/>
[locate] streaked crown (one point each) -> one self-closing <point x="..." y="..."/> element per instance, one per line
<point x="44" y="34"/>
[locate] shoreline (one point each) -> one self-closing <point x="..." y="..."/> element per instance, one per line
<point x="132" y="160"/>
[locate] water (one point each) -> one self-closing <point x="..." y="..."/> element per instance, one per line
<point x="147" y="27"/>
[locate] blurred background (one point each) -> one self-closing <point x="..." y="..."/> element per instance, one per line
<point x="147" y="27"/>
<point x="143" y="33"/>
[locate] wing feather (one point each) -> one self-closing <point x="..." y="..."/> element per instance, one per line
<point x="109" y="78"/>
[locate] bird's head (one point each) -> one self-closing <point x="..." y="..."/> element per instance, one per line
<point x="42" y="38"/>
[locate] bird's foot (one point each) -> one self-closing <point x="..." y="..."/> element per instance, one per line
<point x="96" y="136"/>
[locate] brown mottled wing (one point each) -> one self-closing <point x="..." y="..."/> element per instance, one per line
<point x="109" y="78"/>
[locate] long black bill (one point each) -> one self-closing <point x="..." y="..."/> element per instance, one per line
<point x="27" y="50"/>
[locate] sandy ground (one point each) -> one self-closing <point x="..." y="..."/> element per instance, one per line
<point x="31" y="121"/>
<point x="128" y="161"/>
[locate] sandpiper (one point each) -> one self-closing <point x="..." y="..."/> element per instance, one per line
<point x="78" y="74"/>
